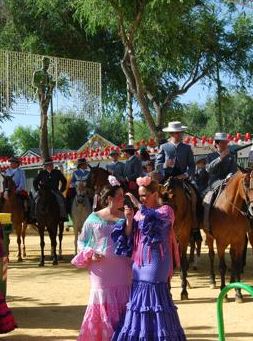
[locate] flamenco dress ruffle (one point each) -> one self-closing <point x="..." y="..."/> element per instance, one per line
<point x="110" y="280"/>
<point x="7" y="321"/>
<point x="151" y="314"/>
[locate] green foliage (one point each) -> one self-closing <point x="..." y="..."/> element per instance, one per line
<point x="113" y="127"/>
<point x="6" y="149"/>
<point x="70" y="132"/>
<point x="237" y="109"/>
<point x="24" y="138"/>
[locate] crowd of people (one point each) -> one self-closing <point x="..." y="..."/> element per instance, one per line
<point x="129" y="249"/>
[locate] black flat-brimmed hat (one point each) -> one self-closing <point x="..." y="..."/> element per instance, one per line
<point x="14" y="159"/>
<point x="48" y="161"/>
<point x="81" y="161"/>
<point x="129" y="147"/>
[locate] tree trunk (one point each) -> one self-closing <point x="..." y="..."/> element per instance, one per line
<point x="130" y="116"/>
<point x="44" y="136"/>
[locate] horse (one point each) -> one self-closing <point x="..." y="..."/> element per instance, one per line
<point x="12" y="203"/>
<point x="47" y="213"/>
<point x="229" y="220"/>
<point x="173" y="191"/>
<point x="97" y="180"/>
<point x="81" y="208"/>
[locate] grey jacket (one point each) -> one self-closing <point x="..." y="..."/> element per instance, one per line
<point x="184" y="160"/>
<point x="133" y="168"/>
<point x="116" y="169"/>
<point x="218" y="169"/>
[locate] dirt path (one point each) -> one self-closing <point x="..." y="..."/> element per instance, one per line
<point x="48" y="302"/>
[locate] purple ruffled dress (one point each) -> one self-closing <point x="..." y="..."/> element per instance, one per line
<point x="151" y="314"/>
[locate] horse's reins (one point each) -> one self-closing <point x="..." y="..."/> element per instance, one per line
<point x="243" y="213"/>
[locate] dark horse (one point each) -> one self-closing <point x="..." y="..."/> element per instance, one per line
<point x="47" y="214"/>
<point x="97" y="180"/>
<point x="229" y="218"/>
<point x="173" y="191"/>
<point x="12" y="203"/>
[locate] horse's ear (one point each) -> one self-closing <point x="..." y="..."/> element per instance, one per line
<point x="97" y="166"/>
<point x="90" y="166"/>
<point x="243" y="170"/>
<point x="3" y="175"/>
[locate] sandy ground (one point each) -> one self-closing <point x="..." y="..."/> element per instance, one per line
<point x="49" y="302"/>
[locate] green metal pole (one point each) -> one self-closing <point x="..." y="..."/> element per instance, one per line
<point x="236" y="285"/>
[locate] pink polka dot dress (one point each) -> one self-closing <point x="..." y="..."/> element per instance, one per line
<point x="110" y="280"/>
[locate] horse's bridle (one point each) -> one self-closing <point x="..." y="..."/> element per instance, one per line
<point x="246" y="213"/>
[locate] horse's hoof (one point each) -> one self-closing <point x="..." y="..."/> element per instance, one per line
<point x="20" y="259"/>
<point x="55" y="262"/>
<point x="195" y="267"/>
<point x="184" y="296"/>
<point x="238" y="299"/>
<point x="225" y="299"/>
<point x="41" y="264"/>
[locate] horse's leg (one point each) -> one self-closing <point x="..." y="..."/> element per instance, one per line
<point x="42" y="245"/>
<point x="18" y="228"/>
<point x="237" y="257"/>
<point x="222" y="265"/>
<point x="192" y="251"/>
<point x="184" y="268"/>
<point x="211" y="253"/>
<point x="53" y="235"/>
<point x="61" y="228"/>
<point x="24" y="227"/>
<point x="244" y="256"/>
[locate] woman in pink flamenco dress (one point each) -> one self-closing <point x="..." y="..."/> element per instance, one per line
<point x="7" y="320"/>
<point x="110" y="274"/>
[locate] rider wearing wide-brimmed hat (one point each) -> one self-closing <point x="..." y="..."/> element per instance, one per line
<point x="81" y="173"/>
<point x="220" y="165"/>
<point x="56" y="181"/>
<point x="116" y="167"/>
<point x="175" y="158"/>
<point x="17" y="174"/>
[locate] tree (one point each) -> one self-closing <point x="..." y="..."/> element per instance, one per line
<point x="237" y="109"/>
<point x="170" y="46"/>
<point x="113" y="127"/>
<point x="24" y="138"/>
<point x="70" y="132"/>
<point x="6" y="149"/>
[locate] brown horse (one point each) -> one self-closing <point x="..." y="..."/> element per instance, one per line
<point x="229" y="218"/>
<point x="97" y="180"/>
<point x="12" y="203"/>
<point x="173" y="192"/>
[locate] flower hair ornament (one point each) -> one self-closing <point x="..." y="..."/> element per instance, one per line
<point x="113" y="181"/>
<point x="144" y="181"/>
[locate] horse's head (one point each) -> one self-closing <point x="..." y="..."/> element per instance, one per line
<point x="82" y="191"/>
<point x="98" y="178"/>
<point x="9" y="186"/>
<point x="247" y="190"/>
<point x="172" y="191"/>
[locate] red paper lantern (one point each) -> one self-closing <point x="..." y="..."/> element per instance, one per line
<point x="238" y="136"/>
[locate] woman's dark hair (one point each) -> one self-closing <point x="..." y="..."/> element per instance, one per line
<point x="108" y="191"/>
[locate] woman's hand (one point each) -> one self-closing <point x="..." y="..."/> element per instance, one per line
<point x="97" y="257"/>
<point x="135" y="202"/>
<point x="129" y="213"/>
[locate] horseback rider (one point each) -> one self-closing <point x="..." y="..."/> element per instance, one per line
<point x="116" y="168"/>
<point x="201" y="176"/>
<point x="18" y="176"/>
<point x="176" y="159"/>
<point x="220" y="165"/>
<point x="56" y="182"/>
<point x="80" y="174"/>
<point x="133" y="168"/>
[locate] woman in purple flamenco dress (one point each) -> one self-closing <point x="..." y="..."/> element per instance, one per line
<point x="148" y="237"/>
<point x="110" y="275"/>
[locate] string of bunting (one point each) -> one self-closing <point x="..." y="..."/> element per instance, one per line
<point x="104" y="153"/>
